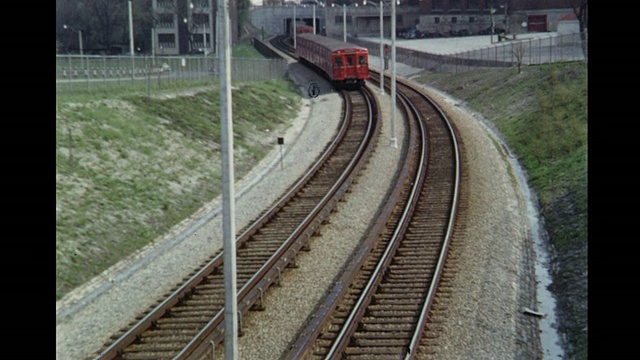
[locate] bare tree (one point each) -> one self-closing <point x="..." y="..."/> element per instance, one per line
<point x="109" y="19"/>
<point x="580" y="9"/>
<point x="518" y="51"/>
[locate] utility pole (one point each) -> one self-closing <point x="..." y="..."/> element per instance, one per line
<point x="228" y="191"/>
<point x="344" y="22"/>
<point x="133" y="65"/>
<point x="381" y="48"/>
<point x="394" y="141"/>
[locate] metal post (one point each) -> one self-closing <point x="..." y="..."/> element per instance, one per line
<point x="344" y="22"/>
<point x="314" y="18"/>
<point x="153" y="47"/>
<point x="491" y="11"/>
<point x="394" y="141"/>
<point x="229" y="231"/>
<point x="506" y="21"/>
<point x="69" y="58"/>
<point x="79" y="42"/>
<point x="213" y="35"/>
<point x="81" y="50"/>
<point x="131" y="42"/>
<point x="381" y="49"/>
<point x="204" y="38"/>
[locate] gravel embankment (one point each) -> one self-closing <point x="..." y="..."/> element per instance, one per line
<point x="494" y="276"/>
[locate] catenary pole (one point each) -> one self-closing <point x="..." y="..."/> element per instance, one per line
<point x="344" y="22"/>
<point x="228" y="203"/>
<point x="314" y="18"/>
<point x="381" y="48"/>
<point x="133" y="66"/>
<point x="393" y="142"/>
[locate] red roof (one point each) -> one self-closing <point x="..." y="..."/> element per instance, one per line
<point x="569" y="17"/>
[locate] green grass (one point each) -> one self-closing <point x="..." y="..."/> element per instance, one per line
<point x="246" y="50"/>
<point x="542" y="114"/>
<point x="129" y="167"/>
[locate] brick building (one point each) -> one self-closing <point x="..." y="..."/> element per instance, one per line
<point x="462" y="17"/>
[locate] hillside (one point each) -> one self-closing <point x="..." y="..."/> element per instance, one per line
<point x="542" y="115"/>
<point x="128" y="168"/>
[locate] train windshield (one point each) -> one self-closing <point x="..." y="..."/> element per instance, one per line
<point x="349" y="60"/>
<point x="362" y="60"/>
<point x="338" y="62"/>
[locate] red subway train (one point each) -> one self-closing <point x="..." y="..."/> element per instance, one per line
<point x="301" y="29"/>
<point x="345" y="65"/>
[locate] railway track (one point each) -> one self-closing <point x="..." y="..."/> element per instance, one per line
<point x="380" y="306"/>
<point x="189" y="322"/>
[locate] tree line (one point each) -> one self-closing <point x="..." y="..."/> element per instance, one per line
<point x="104" y="24"/>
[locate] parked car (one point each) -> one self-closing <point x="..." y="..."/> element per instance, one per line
<point x="496" y="30"/>
<point x="411" y="34"/>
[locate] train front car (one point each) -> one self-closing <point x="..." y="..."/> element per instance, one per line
<point x="350" y="66"/>
<point x="344" y="64"/>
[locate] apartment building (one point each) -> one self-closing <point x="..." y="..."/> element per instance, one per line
<point x="188" y="26"/>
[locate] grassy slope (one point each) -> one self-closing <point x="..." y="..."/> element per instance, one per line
<point x="128" y="168"/>
<point x="542" y="114"/>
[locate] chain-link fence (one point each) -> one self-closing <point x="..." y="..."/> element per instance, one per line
<point x="505" y="53"/>
<point x="91" y="72"/>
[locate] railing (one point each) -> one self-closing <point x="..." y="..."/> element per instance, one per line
<point x="90" y="73"/>
<point x="507" y="53"/>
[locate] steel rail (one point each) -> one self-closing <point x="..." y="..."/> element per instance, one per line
<point x="205" y="334"/>
<point x="443" y="254"/>
<point x="376" y="277"/>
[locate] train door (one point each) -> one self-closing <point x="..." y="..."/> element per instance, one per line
<point x="338" y="67"/>
<point x="350" y="66"/>
<point x="362" y="67"/>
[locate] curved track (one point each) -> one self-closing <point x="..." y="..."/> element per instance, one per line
<point x="380" y="306"/>
<point x="190" y="320"/>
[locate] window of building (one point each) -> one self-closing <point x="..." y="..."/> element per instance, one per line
<point x="165" y="21"/>
<point x="201" y="18"/>
<point x="436" y="20"/>
<point x="472" y="19"/>
<point x="454" y="4"/>
<point x="454" y="19"/>
<point x="200" y="4"/>
<point x="167" y="40"/>
<point x="437" y="5"/>
<point x="339" y="19"/>
<point x="165" y="4"/>
<point x="473" y="4"/>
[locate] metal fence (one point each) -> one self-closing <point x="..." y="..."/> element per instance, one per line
<point x="91" y="73"/>
<point x="506" y="53"/>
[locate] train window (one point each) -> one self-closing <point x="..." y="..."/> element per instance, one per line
<point x="362" y="60"/>
<point x="349" y="60"/>
<point x="338" y="62"/>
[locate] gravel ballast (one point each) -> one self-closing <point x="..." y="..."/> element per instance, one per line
<point x="494" y="278"/>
